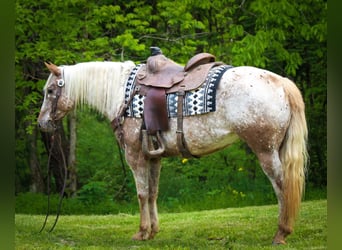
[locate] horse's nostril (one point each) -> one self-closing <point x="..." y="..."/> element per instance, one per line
<point x="48" y="125"/>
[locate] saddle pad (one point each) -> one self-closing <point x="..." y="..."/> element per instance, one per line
<point x="199" y="101"/>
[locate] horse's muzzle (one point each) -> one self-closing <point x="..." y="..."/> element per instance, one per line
<point x="47" y="126"/>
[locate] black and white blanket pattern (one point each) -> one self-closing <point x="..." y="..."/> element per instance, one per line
<point x="196" y="102"/>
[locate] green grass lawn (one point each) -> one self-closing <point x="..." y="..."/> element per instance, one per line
<point x="231" y="228"/>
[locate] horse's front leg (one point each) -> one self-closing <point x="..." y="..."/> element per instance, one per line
<point x="153" y="194"/>
<point x="140" y="168"/>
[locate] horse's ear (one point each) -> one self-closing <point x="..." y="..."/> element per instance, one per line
<point x="53" y="68"/>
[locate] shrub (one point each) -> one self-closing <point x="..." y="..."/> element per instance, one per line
<point x="35" y="203"/>
<point x="93" y="193"/>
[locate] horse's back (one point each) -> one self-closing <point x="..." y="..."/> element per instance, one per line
<point x="251" y="95"/>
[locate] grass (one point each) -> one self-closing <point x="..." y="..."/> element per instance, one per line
<point x="231" y="228"/>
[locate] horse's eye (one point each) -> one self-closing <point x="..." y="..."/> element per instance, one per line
<point x="50" y="91"/>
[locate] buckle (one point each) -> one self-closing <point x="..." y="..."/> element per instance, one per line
<point x="60" y="83"/>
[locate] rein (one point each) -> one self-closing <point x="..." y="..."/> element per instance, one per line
<point x="55" y="136"/>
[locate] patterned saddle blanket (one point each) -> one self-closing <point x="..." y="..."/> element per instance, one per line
<point x="198" y="101"/>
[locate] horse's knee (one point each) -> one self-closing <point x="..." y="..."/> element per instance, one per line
<point x="143" y="196"/>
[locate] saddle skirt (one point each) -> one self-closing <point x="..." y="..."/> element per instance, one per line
<point x="197" y="101"/>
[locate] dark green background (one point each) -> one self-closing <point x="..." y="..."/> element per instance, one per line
<point x="7" y="50"/>
<point x="334" y="125"/>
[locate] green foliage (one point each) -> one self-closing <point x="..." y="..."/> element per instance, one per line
<point x="86" y="203"/>
<point x="228" y="178"/>
<point x="93" y="193"/>
<point x="98" y="157"/>
<point x="286" y="36"/>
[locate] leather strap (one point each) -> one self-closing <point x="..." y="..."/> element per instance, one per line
<point x="53" y="113"/>
<point x="181" y="143"/>
<point x="118" y="120"/>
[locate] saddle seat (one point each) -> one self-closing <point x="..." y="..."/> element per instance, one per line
<point x="161" y="72"/>
<point x="158" y="77"/>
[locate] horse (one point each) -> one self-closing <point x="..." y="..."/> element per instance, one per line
<point x="255" y="105"/>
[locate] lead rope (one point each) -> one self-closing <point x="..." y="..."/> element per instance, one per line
<point x="48" y="183"/>
<point x="61" y="196"/>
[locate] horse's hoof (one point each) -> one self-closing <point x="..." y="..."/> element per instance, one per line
<point x="280" y="242"/>
<point x="141" y="236"/>
<point x="153" y="233"/>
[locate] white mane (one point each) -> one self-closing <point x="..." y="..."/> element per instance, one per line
<point x="99" y="84"/>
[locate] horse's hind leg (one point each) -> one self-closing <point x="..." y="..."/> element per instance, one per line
<point x="153" y="195"/>
<point x="272" y="167"/>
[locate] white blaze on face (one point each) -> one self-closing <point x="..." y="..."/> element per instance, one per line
<point x="45" y="109"/>
<point x="44" y="114"/>
<point x="44" y="119"/>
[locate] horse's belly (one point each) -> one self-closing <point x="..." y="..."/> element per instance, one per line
<point x="204" y="134"/>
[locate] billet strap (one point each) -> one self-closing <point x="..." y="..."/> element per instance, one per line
<point x="181" y="143"/>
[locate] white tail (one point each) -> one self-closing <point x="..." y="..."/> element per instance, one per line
<point x="293" y="155"/>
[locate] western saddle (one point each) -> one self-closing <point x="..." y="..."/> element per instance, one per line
<point x="158" y="77"/>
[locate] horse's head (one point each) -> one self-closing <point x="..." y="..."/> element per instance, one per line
<point x="56" y="104"/>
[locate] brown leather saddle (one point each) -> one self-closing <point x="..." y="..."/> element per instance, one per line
<point x="158" y="77"/>
<point x="161" y="72"/>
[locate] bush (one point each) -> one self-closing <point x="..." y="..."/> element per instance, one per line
<point x="33" y="203"/>
<point x="93" y="193"/>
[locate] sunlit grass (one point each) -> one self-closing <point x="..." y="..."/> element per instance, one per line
<point x="232" y="228"/>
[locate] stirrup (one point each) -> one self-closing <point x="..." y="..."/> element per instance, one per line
<point x="148" y="145"/>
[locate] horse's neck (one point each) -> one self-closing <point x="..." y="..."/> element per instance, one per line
<point x="98" y="84"/>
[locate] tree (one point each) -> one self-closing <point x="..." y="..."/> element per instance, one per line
<point x="285" y="36"/>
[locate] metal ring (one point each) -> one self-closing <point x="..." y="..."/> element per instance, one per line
<point x="60" y="82"/>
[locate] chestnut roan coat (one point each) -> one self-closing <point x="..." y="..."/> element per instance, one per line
<point x="260" y="107"/>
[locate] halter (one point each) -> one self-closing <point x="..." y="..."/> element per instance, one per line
<point x="60" y="84"/>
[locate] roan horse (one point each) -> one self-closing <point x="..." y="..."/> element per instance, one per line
<point x="260" y="107"/>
